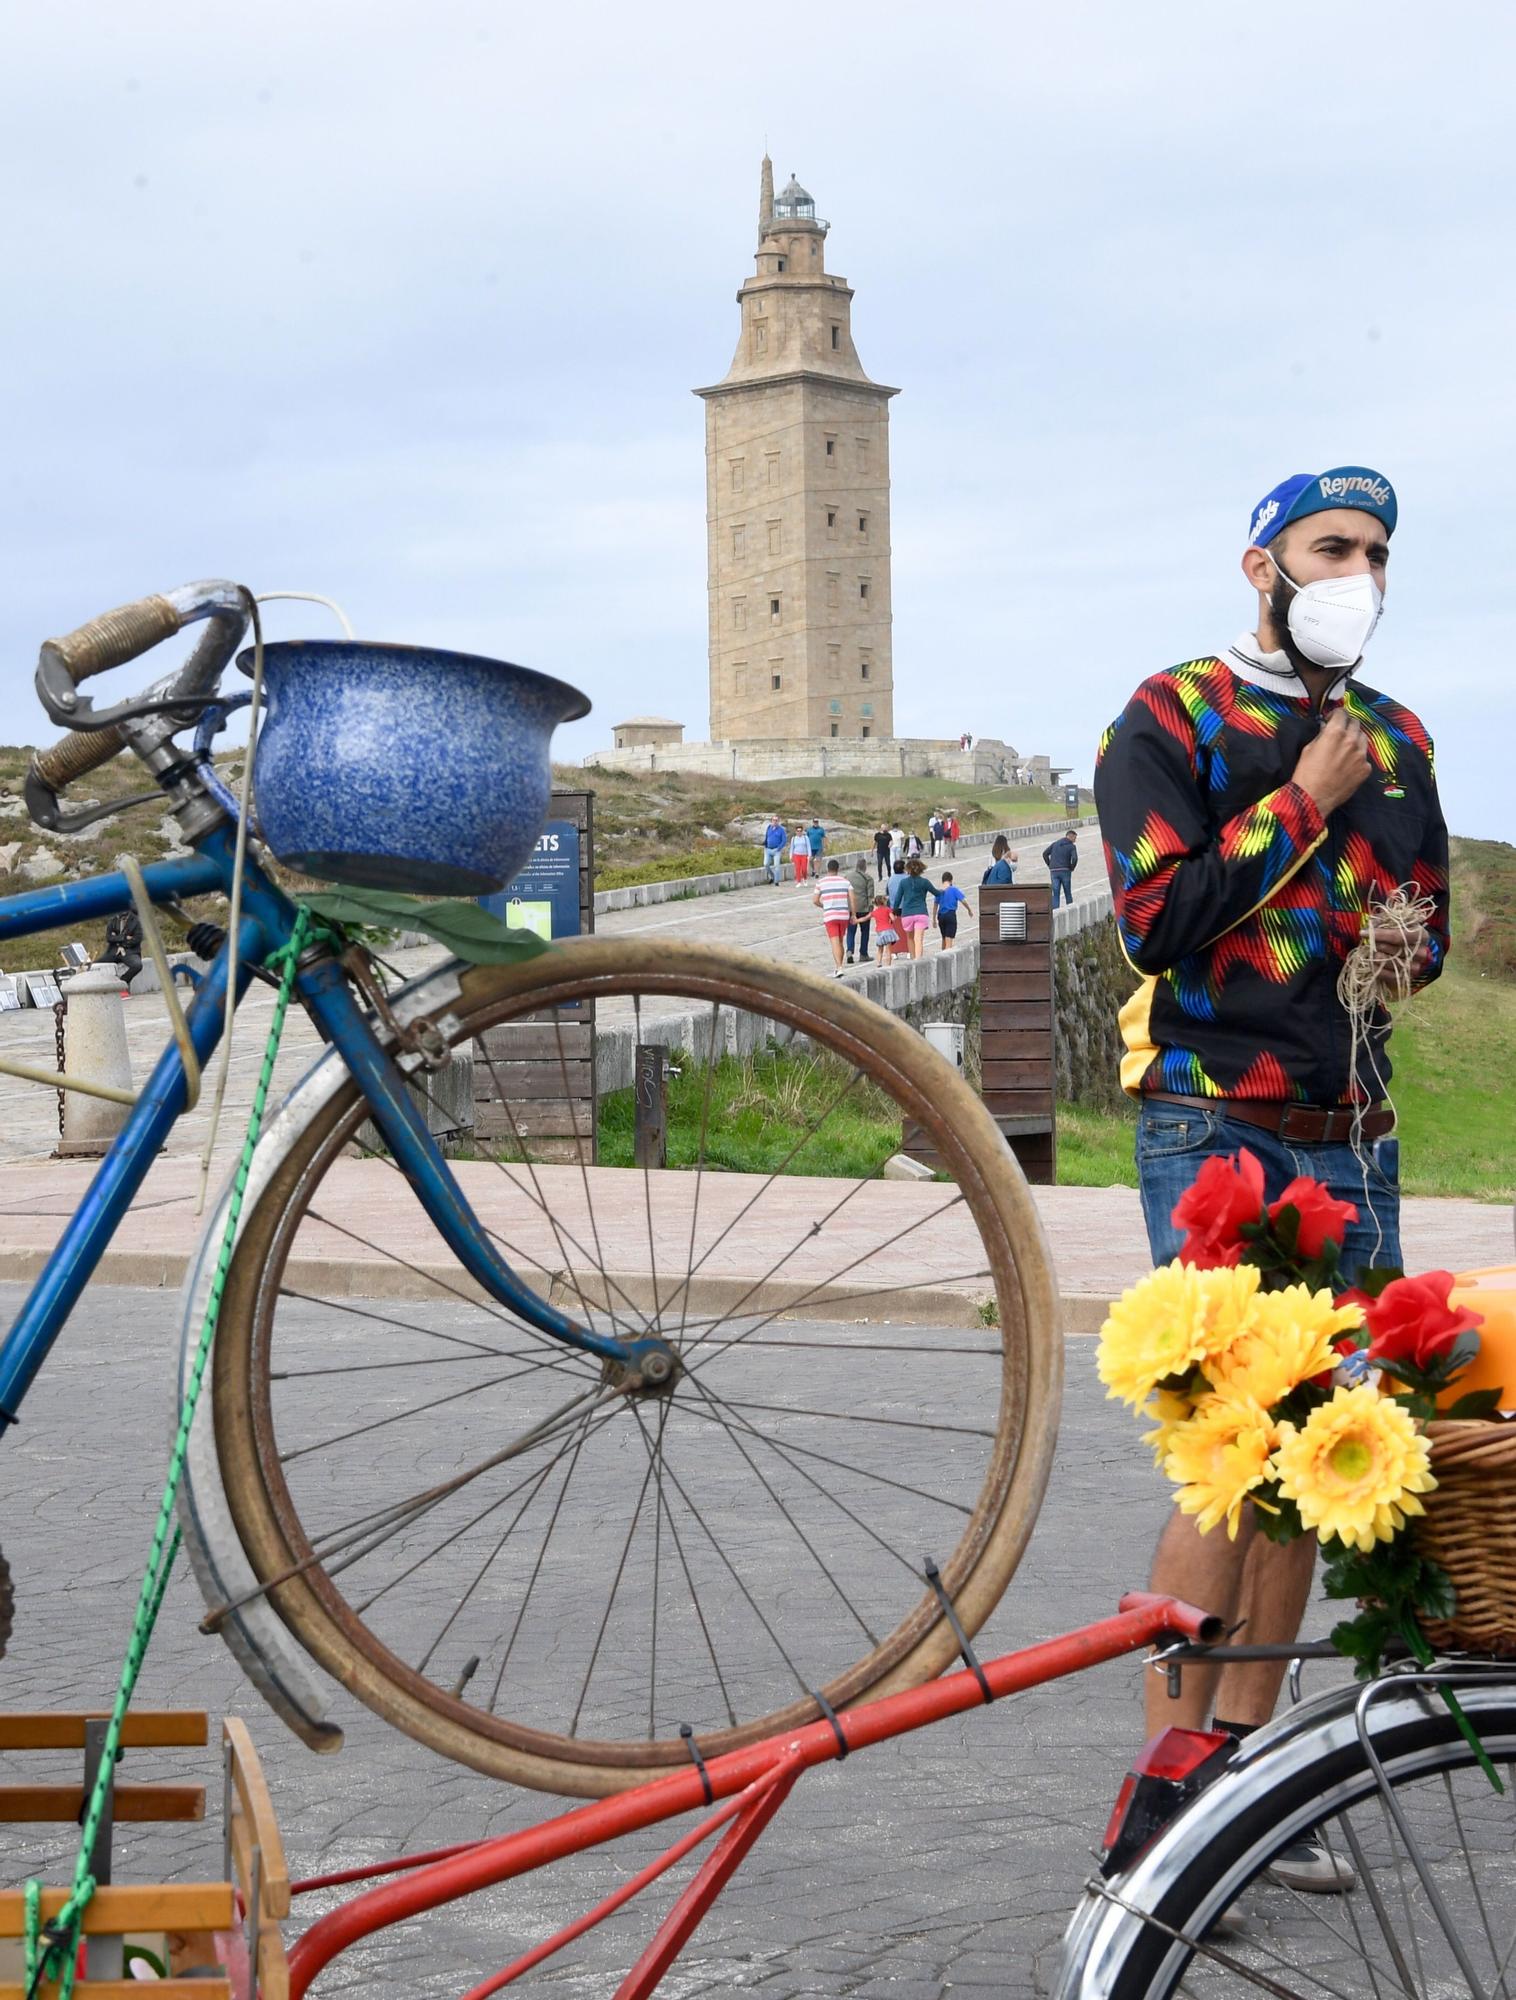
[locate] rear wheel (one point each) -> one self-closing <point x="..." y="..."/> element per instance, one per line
<point x="545" y="1572"/>
<point x="1433" y="1908"/>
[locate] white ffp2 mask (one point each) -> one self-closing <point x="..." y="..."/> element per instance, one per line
<point x="1333" y="619"/>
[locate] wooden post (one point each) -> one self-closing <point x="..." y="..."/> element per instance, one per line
<point x="650" y="1096"/>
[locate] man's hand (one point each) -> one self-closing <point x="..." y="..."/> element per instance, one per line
<point x="1335" y="763"/>
<point x="1397" y="979"/>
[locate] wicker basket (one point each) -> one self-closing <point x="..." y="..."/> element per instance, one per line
<point x="1470" y="1528"/>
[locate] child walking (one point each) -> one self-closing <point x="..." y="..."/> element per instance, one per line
<point x="886" y="935"/>
<point x="949" y="903"/>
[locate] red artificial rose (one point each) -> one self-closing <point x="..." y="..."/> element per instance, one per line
<point x="1223" y="1195"/>
<point x="1323" y="1218"/>
<point x="1412" y="1321"/>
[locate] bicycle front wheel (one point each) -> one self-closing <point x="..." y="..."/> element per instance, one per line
<point x="1430" y="1855"/>
<point x="531" y="1566"/>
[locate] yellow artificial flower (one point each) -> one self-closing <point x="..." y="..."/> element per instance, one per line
<point x="1355" y="1467"/>
<point x="1169" y="1410"/>
<point x="1219" y="1457"/>
<point x="1175" y="1317"/>
<point x="1287" y="1340"/>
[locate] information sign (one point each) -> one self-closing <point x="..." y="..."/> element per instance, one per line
<point x="545" y="896"/>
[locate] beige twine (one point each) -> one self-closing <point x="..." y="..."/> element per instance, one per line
<point x="1377" y="973"/>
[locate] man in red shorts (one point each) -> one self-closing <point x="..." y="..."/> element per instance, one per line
<point x="839" y="908"/>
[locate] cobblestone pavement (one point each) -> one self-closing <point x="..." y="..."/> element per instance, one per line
<point x="780" y="924"/>
<point x="942" y="1863"/>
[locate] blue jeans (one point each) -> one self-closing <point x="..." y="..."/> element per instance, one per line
<point x="860" y="932"/>
<point x="773" y="863"/>
<point x="1174" y="1140"/>
<point x="1063" y="885"/>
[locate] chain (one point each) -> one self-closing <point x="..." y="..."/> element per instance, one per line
<point x="60" y="1008"/>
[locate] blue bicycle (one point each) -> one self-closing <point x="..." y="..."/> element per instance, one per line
<point x="561" y="1467"/>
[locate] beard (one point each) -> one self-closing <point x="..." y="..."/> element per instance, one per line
<point x="1279" y="614"/>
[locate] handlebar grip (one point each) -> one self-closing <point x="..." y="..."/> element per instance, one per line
<point x="110" y="641"/>
<point x="80" y="751"/>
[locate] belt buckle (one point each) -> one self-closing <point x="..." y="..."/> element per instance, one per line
<point x="1287" y="1130"/>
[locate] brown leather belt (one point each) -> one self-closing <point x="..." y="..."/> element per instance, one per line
<point x="1302" y="1124"/>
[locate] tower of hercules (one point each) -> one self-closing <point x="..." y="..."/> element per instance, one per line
<point x="797" y="474"/>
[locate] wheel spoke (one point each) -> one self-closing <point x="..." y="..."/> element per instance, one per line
<point x="531" y="1585"/>
<point x="858" y="1417"/>
<point x="683" y="1293"/>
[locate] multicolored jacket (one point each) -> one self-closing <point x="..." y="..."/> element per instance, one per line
<point x="1236" y="899"/>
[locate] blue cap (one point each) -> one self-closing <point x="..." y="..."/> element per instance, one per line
<point x="1313" y="492"/>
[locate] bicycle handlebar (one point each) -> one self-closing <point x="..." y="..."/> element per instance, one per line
<point x="80" y="751"/>
<point x="111" y="639"/>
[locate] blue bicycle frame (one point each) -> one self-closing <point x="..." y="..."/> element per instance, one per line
<point x="268" y="919"/>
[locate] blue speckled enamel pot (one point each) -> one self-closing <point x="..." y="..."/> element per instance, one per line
<point x="400" y="767"/>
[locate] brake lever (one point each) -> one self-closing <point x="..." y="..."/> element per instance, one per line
<point x="42" y="804"/>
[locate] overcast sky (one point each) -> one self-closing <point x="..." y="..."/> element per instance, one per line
<point x="405" y="304"/>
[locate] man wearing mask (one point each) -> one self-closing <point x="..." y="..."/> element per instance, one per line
<point x="1256" y="804"/>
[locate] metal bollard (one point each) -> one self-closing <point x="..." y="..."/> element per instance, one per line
<point x="95" y="1047"/>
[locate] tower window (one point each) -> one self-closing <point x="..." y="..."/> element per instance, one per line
<point x="761" y="337"/>
<point x="863" y="670"/>
<point x="831" y="520"/>
<point x="773" y="538"/>
<point x="772" y="463"/>
<point x="863" y="526"/>
<point x="836" y="338"/>
<point x="774" y="613"/>
<point x="781" y="263"/>
<point x="863" y="589"/>
<point x="739" y="614"/>
<point x="835" y="730"/>
<point x="739" y="678"/>
<point x="833" y="581"/>
<point x="776" y="681"/>
<point x="831" y="447"/>
<point x="862" y="445"/>
<point x="737" y="475"/>
<point x="834" y="663"/>
<point x="739" y="538"/>
<point x="815" y="249"/>
<point x="863" y="729"/>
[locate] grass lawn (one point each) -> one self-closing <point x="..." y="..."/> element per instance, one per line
<point x="1454" y="1050"/>
<point x="759" y="1120"/>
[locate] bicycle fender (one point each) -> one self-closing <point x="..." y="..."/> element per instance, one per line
<point x="260" y="1642"/>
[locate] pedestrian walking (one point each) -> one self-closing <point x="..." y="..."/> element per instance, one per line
<point x="882" y="850"/>
<point x="949" y="903"/>
<point x="775" y="840"/>
<point x="910" y="904"/>
<point x="815" y="835"/>
<point x="893" y="882"/>
<point x="1230" y="791"/>
<point x="934" y="832"/>
<point x="800" y="853"/>
<point x="886" y="932"/>
<point x="1062" y="858"/>
<point x="913" y="847"/>
<point x="897" y="847"/>
<point x="861" y="883"/>
<point x="952" y="835"/>
<point x="834" y="898"/>
<point x="1002" y="868"/>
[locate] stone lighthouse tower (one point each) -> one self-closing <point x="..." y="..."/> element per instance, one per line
<point x="797" y="501"/>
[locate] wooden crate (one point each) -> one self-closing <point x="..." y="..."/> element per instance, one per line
<point x="199" y="1928"/>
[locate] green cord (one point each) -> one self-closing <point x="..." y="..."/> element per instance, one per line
<point x="58" y="1960"/>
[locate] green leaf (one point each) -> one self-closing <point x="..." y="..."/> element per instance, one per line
<point x="1461" y="1353"/>
<point x="1435" y="1595"/>
<point x="467" y="929"/>
<point x="1477" y="1403"/>
<point x="1287" y="1228"/>
<point x="1372" y="1282"/>
<point x="1277" y="1519"/>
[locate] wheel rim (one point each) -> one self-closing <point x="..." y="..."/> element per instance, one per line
<point x="288" y="1491"/>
